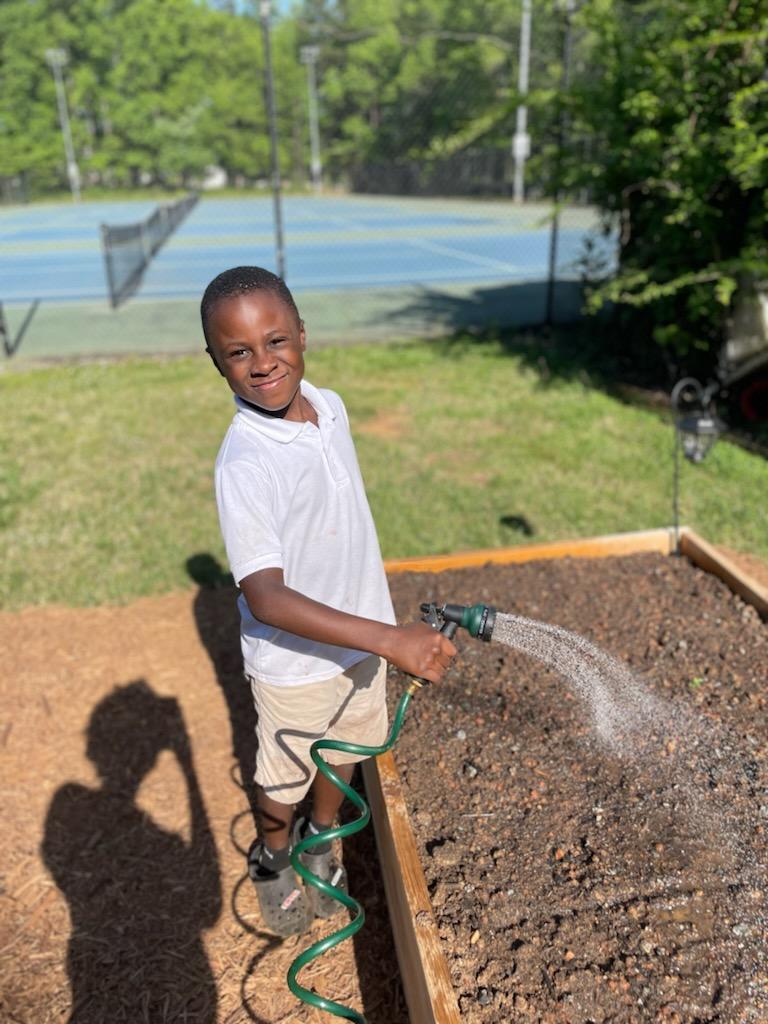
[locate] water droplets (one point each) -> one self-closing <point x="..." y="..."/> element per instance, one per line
<point x="620" y="706"/>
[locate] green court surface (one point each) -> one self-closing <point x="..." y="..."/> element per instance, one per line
<point x="91" y="330"/>
<point x="361" y="268"/>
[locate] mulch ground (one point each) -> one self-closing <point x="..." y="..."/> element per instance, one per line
<point x="123" y="896"/>
<point x="125" y="827"/>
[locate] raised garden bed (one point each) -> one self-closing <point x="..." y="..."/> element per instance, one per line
<point x="569" y="880"/>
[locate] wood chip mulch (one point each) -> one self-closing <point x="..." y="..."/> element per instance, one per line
<point x="124" y="895"/>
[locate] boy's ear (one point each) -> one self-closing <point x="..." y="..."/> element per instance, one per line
<point x="213" y="360"/>
<point x="302" y="335"/>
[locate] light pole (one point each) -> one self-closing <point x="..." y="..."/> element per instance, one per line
<point x="57" y="59"/>
<point x="565" y="81"/>
<point x="265" y="11"/>
<point x="309" y="55"/>
<point x="521" y="142"/>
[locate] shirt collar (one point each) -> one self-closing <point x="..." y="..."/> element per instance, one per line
<point x="286" y="431"/>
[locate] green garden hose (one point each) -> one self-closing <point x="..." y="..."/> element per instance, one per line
<point x="478" y="620"/>
<point x="358" y="920"/>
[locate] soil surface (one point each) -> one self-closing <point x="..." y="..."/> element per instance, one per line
<point x="597" y="855"/>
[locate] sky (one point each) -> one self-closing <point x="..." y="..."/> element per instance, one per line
<point x="280" y="6"/>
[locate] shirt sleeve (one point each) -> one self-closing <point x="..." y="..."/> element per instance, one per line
<point x="244" y="500"/>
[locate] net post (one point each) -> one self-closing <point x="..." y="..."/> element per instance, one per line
<point x="107" y="251"/>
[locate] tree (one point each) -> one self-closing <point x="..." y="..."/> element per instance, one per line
<point x="676" y="104"/>
<point x="158" y="91"/>
<point x="419" y="80"/>
<point x="30" y="140"/>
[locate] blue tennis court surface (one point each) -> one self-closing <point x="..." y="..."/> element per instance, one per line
<point x="53" y="252"/>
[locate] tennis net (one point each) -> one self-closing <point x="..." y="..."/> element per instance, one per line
<point x="129" y="248"/>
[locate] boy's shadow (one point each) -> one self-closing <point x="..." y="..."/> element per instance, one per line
<point x="218" y="624"/>
<point x="139" y="896"/>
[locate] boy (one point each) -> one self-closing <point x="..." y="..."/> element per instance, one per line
<point x="317" y="624"/>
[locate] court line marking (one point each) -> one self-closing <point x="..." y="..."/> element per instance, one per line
<point x="447" y="250"/>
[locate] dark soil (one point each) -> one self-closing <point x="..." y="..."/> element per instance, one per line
<point x="574" y="881"/>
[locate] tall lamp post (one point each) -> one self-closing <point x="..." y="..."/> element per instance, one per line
<point x="308" y="56"/>
<point x="57" y="59"/>
<point x="565" y="79"/>
<point x="265" y="11"/>
<point x="521" y="142"/>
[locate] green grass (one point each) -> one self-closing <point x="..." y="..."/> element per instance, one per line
<point x="106" y="469"/>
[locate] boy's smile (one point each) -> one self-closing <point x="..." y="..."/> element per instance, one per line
<point x="258" y="345"/>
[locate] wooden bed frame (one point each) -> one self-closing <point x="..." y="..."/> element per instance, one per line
<point x="423" y="967"/>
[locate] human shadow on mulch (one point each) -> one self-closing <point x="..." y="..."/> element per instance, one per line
<point x="139" y="896"/>
<point x="216" y="615"/>
<point x="218" y="625"/>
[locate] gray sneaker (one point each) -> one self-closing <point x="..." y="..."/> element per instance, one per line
<point x="283" y="902"/>
<point x="325" y="866"/>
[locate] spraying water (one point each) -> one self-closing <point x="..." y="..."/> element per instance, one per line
<point x="621" y="710"/>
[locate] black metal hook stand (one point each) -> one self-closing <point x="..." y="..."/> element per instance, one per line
<point x="11" y="345"/>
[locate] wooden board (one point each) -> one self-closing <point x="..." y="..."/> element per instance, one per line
<point x="703" y="554"/>
<point x="661" y="540"/>
<point x="423" y="967"/>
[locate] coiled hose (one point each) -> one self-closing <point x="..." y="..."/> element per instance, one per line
<point x="478" y="620"/>
<point x="341" y="832"/>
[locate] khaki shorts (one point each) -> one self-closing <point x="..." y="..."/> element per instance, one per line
<point x="351" y="706"/>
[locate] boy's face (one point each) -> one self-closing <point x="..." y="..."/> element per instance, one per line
<point x="258" y="345"/>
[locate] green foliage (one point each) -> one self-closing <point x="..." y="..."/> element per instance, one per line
<point x="157" y="92"/>
<point x="675" y="102"/>
<point x="29" y="143"/>
<point x="418" y="79"/>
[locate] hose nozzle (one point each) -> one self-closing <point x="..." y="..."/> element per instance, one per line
<point x="477" y="619"/>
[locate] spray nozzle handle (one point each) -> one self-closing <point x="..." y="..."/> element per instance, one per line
<point x="433" y="616"/>
<point x="478" y="619"/>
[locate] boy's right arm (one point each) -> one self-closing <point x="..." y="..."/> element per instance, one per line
<point x="416" y="648"/>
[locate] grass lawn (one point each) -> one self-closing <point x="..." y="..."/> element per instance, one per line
<point x="106" y="469"/>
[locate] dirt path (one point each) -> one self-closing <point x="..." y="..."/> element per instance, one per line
<point x="125" y="884"/>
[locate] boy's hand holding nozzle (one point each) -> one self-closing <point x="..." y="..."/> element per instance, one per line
<point x="422" y="652"/>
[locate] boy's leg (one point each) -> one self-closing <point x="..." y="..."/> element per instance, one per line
<point x="319" y="858"/>
<point x="284" y="905"/>
<point x="361" y="717"/>
<point x="328" y="798"/>
<point x="274" y="820"/>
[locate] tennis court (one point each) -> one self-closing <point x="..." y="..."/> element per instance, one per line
<point x="381" y="253"/>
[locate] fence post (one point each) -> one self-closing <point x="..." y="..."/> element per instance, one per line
<point x="4" y="332"/>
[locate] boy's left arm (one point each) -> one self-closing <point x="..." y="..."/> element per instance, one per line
<point x="415" y="648"/>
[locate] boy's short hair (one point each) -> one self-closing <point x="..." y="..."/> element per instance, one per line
<point x="240" y="281"/>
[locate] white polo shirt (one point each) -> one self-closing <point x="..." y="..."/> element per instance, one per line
<point x="290" y="496"/>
